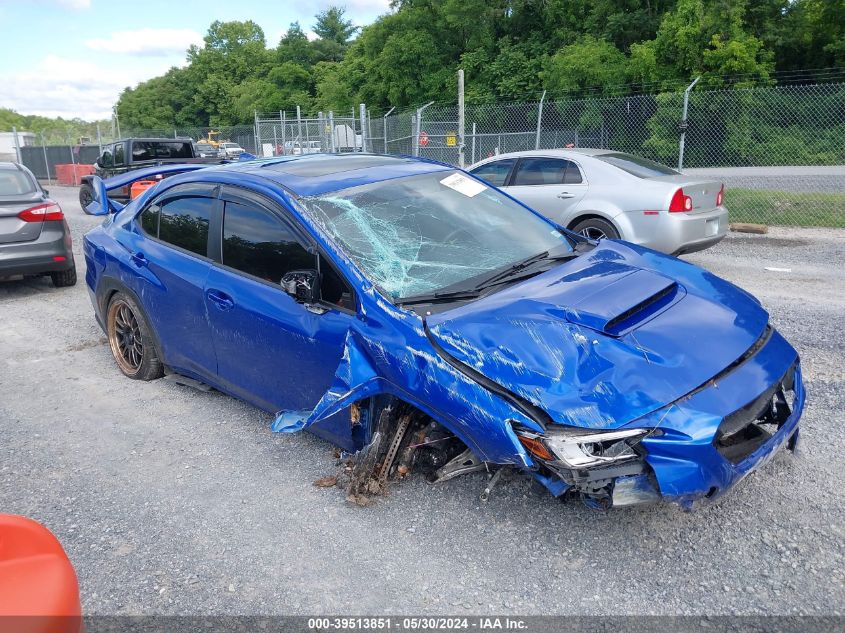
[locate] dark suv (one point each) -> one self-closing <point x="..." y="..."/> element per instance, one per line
<point x="136" y="153"/>
<point x="34" y="237"/>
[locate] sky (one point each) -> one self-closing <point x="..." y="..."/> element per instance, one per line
<point x="72" y="58"/>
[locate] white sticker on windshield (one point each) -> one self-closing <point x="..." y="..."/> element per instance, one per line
<point x="464" y="185"/>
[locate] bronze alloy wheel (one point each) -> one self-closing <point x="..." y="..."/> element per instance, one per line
<point x="124" y="332"/>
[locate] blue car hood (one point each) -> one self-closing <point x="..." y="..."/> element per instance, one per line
<point x="606" y="338"/>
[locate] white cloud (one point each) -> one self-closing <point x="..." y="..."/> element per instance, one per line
<point x="70" y="88"/>
<point x="146" y="41"/>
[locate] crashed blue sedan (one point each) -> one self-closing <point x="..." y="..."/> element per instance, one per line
<point x="425" y="321"/>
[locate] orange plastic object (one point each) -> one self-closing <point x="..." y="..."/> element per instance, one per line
<point x="69" y="174"/>
<point x="36" y="580"/>
<point x="140" y="187"/>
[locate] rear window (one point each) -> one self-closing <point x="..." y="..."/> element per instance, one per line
<point x="636" y="166"/>
<point x="14" y="182"/>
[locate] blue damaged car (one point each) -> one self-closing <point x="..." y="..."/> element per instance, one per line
<point x="423" y="320"/>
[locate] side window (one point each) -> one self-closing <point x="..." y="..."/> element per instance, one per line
<point x="118" y="154"/>
<point x="333" y="287"/>
<point x="260" y="244"/>
<point x="496" y="172"/>
<point x="184" y="223"/>
<point x="106" y="158"/>
<point x="149" y="219"/>
<point x="142" y="150"/>
<point x="172" y="149"/>
<point x="540" y="171"/>
<point x="573" y="174"/>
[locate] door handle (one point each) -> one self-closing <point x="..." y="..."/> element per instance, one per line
<point x="220" y="299"/>
<point x="563" y="195"/>
<point x="139" y="259"/>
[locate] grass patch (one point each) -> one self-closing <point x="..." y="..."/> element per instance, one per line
<point x="788" y="208"/>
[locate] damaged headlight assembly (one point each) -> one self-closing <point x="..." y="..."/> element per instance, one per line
<point x="578" y="449"/>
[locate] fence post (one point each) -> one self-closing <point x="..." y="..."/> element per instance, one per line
<point x="461" y="120"/>
<point x="331" y="131"/>
<point x="683" y="125"/>
<point x="384" y="127"/>
<point x="473" y="143"/>
<point x="256" y="133"/>
<point x="362" y="109"/>
<point x="299" y="126"/>
<point x="17" y="144"/>
<point x="419" y="128"/>
<point x="539" y="121"/>
<point x="284" y="131"/>
<point x="46" y="163"/>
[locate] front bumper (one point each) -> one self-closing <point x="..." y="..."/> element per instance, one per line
<point x="685" y="457"/>
<point x="683" y="454"/>
<point x="39" y="255"/>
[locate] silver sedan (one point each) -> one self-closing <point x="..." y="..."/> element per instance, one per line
<point x="606" y="194"/>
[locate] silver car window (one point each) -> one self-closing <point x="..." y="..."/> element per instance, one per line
<point x="496" y="172"/>
<point x="545" y="171"/>
<point x="640" y="167"/>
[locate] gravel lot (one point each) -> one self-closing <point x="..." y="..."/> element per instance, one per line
<point x="173" y="501"/>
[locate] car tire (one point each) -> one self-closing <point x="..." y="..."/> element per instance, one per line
<point x="596" y="229"/>
<point x="64" y="278"/>
<point x="130" y="339"/>
<point x="86" y="195"/>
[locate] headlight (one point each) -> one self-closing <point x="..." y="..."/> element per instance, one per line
<point x="577" y="448"/>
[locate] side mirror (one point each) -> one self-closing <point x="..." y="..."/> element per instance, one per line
<point x="100" y="203"/>
<point x="302" y="285"/>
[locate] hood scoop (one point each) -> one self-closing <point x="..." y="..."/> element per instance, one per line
<point x="625" y="303"/>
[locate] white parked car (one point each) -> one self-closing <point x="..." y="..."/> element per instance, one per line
<point x="297" y="148"/>
<point x="606" y="194"/>
<point x="230" y="150"/>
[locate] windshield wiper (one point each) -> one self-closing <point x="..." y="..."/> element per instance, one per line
<point x="434" y="297"/>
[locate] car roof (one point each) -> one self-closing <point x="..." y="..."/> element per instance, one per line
<point x="561" y="152"/>
<point x="316" y="174"/>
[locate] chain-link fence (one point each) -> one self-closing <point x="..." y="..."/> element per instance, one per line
<point x="779" y="150"/>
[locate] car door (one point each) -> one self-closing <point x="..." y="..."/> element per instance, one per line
<point x="271" y="350"/>
<point x="552" y="186"/>
<point x="168" y="249"/>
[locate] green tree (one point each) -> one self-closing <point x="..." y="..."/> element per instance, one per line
<point x="588" y="63"/>
<point x="331" y="25"/>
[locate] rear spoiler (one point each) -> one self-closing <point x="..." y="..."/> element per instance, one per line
<point x="103" y="205"/>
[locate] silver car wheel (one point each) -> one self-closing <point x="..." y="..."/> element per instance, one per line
<point x="593" y="233"/>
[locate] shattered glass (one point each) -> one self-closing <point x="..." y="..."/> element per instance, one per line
<point x="418" y="235"/>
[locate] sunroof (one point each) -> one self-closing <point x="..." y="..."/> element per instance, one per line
<point x="312" y="167"/>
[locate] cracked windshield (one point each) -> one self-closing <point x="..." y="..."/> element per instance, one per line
<point x="422" y="234"/>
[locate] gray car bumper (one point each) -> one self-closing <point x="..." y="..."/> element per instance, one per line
<point x="51" y="252"/>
